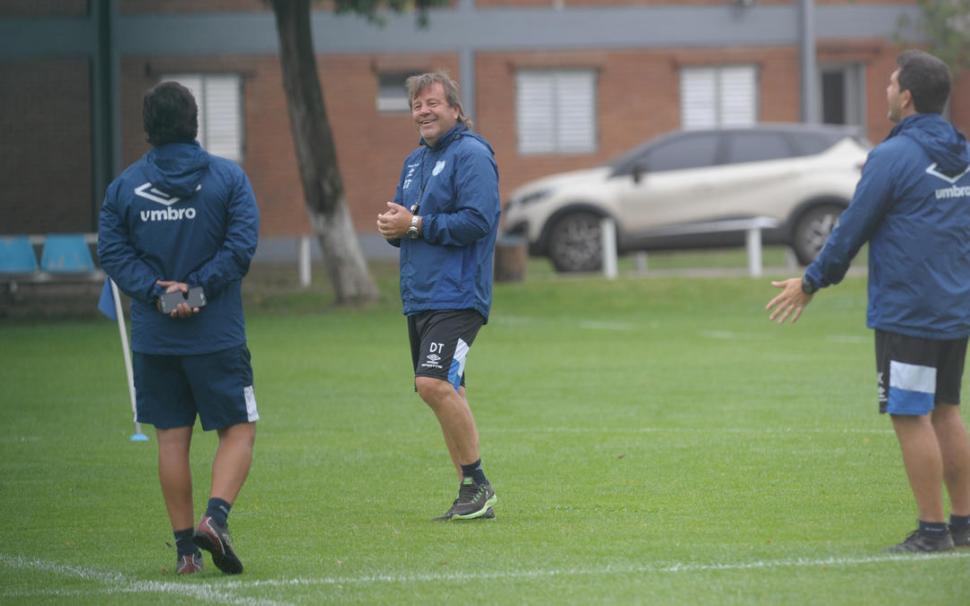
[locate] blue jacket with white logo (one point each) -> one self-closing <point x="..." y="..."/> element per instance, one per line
<point x="455" y="188"/>
<point x="181" y="214"/>
<point x="912" y="205"/>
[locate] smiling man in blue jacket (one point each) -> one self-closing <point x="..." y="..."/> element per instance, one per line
<point x="912" y="205"/>
<point x="444" y="217"/>
<point x="180" y="218"/>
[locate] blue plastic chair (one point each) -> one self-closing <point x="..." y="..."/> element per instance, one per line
<point x="17" y="255"/>
<point x="66" y="254"/>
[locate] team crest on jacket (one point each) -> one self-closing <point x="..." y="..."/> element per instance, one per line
<point x="438" y="167"/>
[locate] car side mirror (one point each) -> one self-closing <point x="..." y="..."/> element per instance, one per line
<point x="638" y="171"/>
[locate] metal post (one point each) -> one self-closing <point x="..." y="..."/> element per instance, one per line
<point x="608" y="240"/>
<point x="303" y="261"/>
<point x="753" y="242"/>
<point x="641" y="262"/>
<point x="810" y="95"/>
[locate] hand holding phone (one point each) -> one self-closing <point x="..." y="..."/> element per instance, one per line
<point x="169" y="301"/>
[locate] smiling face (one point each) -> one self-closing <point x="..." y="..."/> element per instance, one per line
<point x="432" y="114"/>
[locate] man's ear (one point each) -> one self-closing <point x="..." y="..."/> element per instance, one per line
<point x="906" y="99"/>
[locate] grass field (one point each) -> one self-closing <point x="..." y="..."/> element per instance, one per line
<point x="652" y="440"/>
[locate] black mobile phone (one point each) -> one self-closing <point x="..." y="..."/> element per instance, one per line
<point x="170" y="300"/>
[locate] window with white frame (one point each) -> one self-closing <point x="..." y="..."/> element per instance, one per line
<point x="219" y="97"/>
<point x="711" y="97"/>
<point x="556" y="111"/>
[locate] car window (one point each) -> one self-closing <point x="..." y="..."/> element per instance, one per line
<point x="756" y="147"/>
<point x="691" y="151"/>
<point x="809" y="144"/>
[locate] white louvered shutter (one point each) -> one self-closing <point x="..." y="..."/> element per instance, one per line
<point x="722" y="96"/>
<point x="556" y="111"/>
<point x="223" y="131"/>
<point x="738" y="96"/>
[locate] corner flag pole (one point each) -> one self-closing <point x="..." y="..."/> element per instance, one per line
<point x="138" y="436"/>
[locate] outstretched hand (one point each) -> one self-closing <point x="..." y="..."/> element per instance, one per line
<point x="789" y="303"/>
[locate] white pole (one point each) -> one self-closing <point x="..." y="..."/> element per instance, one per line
<point x="753" y="242"/>
<point x="608" y="240"/>
<point x="138" y="436"/>
<point x="641" y="262"/>
<point x="303" y="259"/>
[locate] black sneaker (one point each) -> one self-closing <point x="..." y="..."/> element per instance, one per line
<point x="920" y="543"/>
<point x="189" y="564"/>
<point x="474" y="501"/>
<point x="961" y="535"/>
<point x="216" y="540"/>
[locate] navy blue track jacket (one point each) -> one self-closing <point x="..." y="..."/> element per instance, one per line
<point x="181" y="214"/>
<point x="455" y="188"/>
<point x="912" y="205"/>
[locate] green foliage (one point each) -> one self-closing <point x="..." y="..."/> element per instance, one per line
<point x="652" y="441"/>
<point x="371" y="8"/>
<point x="944" y="28"/>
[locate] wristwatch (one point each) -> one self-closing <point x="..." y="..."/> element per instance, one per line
<point x="807" y="287"/>
<point x="413" y="230"/>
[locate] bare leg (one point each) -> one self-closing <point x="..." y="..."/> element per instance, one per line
<point x="233" y="458"/>
<point x="955" y="450"/>
<point x="923" y="462"/>
<point x="455" y="417"/>
<point x="175" y="475"/>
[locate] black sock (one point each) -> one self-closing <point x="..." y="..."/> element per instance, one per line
<point x="218" y="510"/>
<point x="183" y="542"/>
<point x="932" y="529"/>
<point x="959" y="521"/>
<point x="475" y="472"/>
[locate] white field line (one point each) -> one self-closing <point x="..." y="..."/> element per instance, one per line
<point x="645" y="569"/>
<point x="117" y="583"/>
<point x="744" y="430"/>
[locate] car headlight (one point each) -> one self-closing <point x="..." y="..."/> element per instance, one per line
<point x="533" y="197"/>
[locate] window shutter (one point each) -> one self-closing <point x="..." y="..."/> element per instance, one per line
<point x="722" y="96"/>
<point x="577" y="112"/>
<point x="698" y="95"/>
<point x="738" y="96"/>
<point x="536" y="112"/>
<point x="223" y="129"/>
<point x="556" y="111"/>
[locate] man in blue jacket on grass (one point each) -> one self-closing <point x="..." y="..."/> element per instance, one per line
<point x="912" y="205"/>
<point x="176" y="219"/>
<point x="444" y="217"/>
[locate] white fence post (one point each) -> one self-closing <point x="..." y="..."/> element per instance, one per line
<point x="753" y="241"/>
<point x="608" y="240"/>
<point x="303" y="261"/>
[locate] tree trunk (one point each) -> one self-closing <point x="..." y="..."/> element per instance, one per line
<point x="322" y="186"/>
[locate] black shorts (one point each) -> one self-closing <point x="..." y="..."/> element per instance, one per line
<point x="440" y="341"/>
<point x="916" y="374"/>
<point x="218" y="387"/>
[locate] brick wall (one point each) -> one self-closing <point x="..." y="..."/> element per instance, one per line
<point x="45" y="147"/>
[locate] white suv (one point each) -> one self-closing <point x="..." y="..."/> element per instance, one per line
<point x="802" y="176"/>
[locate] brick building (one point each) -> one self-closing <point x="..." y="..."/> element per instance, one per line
<point x="553" y="84"/>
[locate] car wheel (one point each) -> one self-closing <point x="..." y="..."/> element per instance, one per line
<point x="575" y="243"/>
<point x="812" y="230"/>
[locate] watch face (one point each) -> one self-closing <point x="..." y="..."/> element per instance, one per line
<point x="413" y="232"/>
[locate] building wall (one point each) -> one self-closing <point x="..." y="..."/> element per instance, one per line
<point x="45" y="147"/>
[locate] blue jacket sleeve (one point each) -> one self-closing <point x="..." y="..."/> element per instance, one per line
<point x="477" y="204"/>
<point x="870" y="202"/>
<point x="118" y="257"/>
<point x="231" y="261"/>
